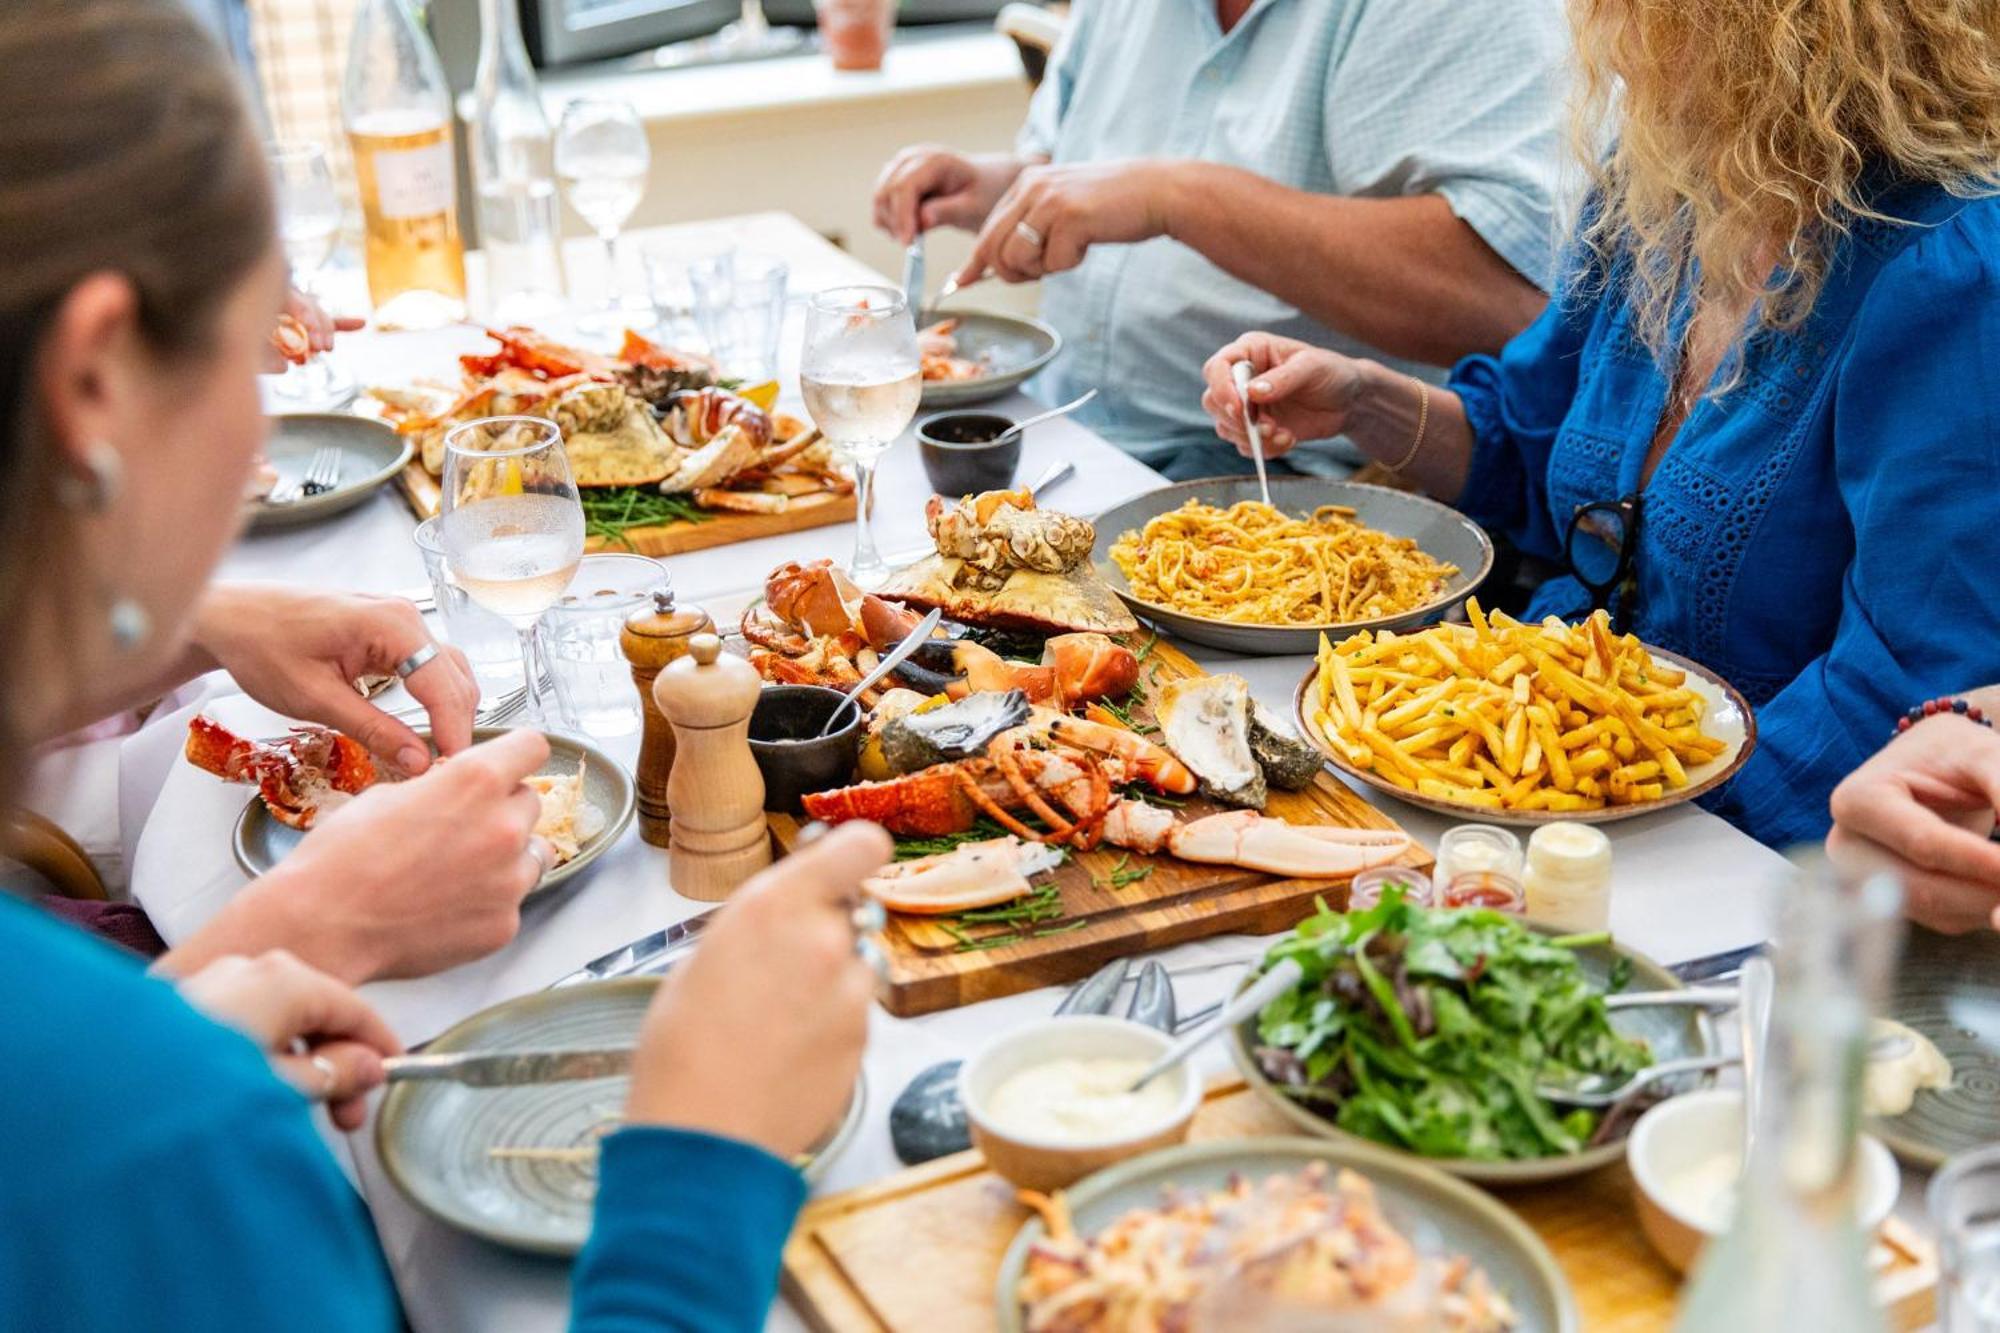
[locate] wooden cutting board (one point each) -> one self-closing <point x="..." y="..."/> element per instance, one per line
<point x="928" y="969"/>
<point x="919" y="1252"/>
<point x="817" y="510"/>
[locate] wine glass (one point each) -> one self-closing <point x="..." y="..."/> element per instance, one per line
<point x="602" y="158"/>
<point x="512" y="526"/>
<point x="861" y="379"/>
<point x="308" y="226"/>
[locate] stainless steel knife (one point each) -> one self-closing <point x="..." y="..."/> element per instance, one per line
<point x="913" y="277"/>
<point x="1717" y="966"/>
<point x="502" y="1069"/>
<point x="643" y="957"/>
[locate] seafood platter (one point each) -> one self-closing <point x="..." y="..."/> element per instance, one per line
<point x="1063" y="787"/>
<point x="668" y="455"/>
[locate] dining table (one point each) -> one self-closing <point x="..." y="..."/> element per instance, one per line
<point x="1687" y="884"/>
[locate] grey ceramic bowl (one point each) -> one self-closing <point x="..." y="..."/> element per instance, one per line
<point x="371" y="454"/>
<point x="963" y="453"/>
<point x="790" y="753"/>
<point x="260" y="841"/>
<point x="1441" y="532"/>
<point x="1948" y="988"/>
<point x="1012" y="347"/>
<point x="436" y="1139"/>
<point x="1672" y="1034"/>
<point x="1420" y="1201"/>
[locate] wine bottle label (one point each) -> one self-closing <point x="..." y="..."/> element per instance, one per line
<point x="413" y="182"/>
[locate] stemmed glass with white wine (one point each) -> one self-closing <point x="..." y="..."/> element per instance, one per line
<point x="308" y="227"/>
<point x="511" y="526"/>
<point x="602" y="158"/>
<point x="861" y="379"/>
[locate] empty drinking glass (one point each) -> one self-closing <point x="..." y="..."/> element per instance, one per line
<point x="581" y="632"/>
<point x="738" y="299"/>
<point x="1965" y="1208"/>
<point x="308" y="228"/>
<point x="602" y="158"/>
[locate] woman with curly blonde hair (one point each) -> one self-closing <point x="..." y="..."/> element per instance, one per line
<point x="1761" y="417"/>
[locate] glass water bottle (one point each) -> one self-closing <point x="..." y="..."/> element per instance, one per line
<point x="514" y="175"/>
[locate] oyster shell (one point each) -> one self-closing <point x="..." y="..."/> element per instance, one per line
<point x="1205" y="721"/>
<point x="1288" y="762"/>
<point x="955" y="731"/>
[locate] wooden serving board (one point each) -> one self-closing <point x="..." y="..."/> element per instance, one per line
<point x="1179" y="901"/>
<point x="816" y="510"/>
<point x="919" y="1252"/>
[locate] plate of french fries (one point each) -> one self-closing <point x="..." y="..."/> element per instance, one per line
<point x="1515" y="723"/>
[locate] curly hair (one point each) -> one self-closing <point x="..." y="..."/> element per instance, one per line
<point x="1750" y="135"/>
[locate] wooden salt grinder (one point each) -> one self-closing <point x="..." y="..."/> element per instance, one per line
<point x="654" y="636"/>
<point x="715" y="792"/>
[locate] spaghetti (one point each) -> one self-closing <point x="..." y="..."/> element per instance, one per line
<point x="1255" y="565"/>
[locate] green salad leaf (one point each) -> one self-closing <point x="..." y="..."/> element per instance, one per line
<point x="1429" y="1030"/>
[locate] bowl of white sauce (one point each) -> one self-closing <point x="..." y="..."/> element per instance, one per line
<point x="1052" y="1102"/>
<point x="1686" y="1156"/>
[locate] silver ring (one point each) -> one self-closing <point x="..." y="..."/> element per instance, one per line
<point x="416" y="661"/>
<point x="1027" y="233"/>
<point x="327" y="1072"/>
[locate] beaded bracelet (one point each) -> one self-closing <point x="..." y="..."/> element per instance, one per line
<point x="1942" y="704"/>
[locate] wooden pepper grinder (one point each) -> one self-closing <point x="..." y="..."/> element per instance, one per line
<point x="715" y="793"/>
<point x="654" y="636"/>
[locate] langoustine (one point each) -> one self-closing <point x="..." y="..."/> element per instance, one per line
<point x="301" y="776"/>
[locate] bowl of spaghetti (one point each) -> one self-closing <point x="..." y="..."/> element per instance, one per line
<point x="1209" y="562"/>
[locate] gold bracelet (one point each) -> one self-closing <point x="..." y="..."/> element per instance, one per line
<point x="1423" y="425"/>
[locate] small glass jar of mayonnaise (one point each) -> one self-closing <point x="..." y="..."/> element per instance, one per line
<point x="1569" y="877"/>
<point x="1476" y="847"/>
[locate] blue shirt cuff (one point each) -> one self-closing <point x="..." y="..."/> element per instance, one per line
<point x="1492" y="493"/>
<point x="689" y="1232"/>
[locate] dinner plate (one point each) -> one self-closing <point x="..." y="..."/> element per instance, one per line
<point x="1726" y="716"/>
<point x="436" y="1139"/>
<point x="1670" y="1033"/>
<point x="261" y="842"/>
<point x="371" y="454"/>
<point x="1012" y="348"/>
<point x="1948" y="988"/>
<point x="1439" y="1214"/>
<point x="1440" y="532"/>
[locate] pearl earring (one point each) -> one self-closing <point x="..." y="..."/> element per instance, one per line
<point x="130" y="625"/>
<point x="97" y="487"/>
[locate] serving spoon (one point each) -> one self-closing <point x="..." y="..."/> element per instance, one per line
<point x="890" y="661"/>
<point x="1267" y="988"/>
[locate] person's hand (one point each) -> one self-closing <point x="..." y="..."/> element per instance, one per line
<point x="299" y="653"/>
<point x="321" y="1037"/>
<point x="410" y="878"/>
<point x="318" y="325"/>
<point x="759" y="1035"/>
<point x="926" y="186"/>
<point x="1922" y="807"/>
<point x="1071" y="207"/>
<point x="1300" y="392"/>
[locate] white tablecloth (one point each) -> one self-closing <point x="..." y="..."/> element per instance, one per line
<point x="1687" y="884"/>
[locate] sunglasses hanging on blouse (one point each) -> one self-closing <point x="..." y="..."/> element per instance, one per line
<point x="1601" y="547"/>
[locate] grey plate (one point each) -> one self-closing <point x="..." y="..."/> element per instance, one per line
<point x="371" y="453"/>
<point x="261" y="842"/>
<point x="1012" y="346"/>
<point x="1438" y="1213"/>
<point x="434" y="1139"/>
<point x="1672" y="1034"/>
<point x="1726" y="715"/>
<point x="1948" y="988"/>
<point x="1440" y="531"/>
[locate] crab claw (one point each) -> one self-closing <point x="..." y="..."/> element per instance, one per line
<point x="1299" y="851"/>
<point x="977" y="874"/>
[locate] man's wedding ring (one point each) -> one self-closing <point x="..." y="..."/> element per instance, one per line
<point x="416" y="661"/>
<point x="1026" y="232"/>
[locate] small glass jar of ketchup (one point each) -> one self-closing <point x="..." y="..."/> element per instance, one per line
<point x="1486" y="888"/>
<point x="1368" y="886"/>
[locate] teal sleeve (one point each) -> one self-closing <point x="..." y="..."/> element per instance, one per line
<point x="688" y="1235"/>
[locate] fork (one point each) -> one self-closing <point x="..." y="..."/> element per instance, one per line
<point x="323" y="472"/>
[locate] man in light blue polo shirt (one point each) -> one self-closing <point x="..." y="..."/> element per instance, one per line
<point x="1375" y="176"/>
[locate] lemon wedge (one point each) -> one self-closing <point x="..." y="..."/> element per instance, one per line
<point x="764" y="395"/>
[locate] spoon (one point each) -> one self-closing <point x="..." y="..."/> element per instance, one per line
<point x="1593" y="1091"/>
<point x="1267" y="988"/>
<point x="890" y="661"/>
<point x="1755" y="986"/>
<point x="1241" y="372"/>
<point x="1049" y="415"/>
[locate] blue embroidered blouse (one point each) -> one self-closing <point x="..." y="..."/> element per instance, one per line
<point x="1823" y="534"/>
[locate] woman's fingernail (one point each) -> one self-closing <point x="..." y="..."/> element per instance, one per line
<point x="412" y="758"/>
<point x="1260" y="386"/>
